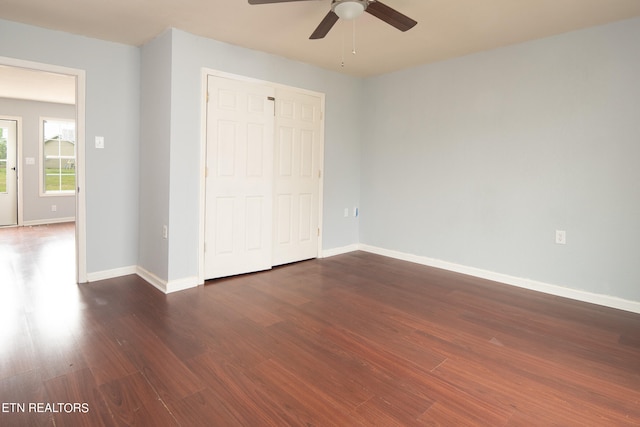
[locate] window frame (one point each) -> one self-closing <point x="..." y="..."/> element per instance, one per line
<point x="42" y="160"/>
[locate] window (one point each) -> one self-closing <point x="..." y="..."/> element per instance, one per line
<point x="58" y="156"/>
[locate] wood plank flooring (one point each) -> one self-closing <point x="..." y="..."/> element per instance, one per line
<point x="352" y="340"/>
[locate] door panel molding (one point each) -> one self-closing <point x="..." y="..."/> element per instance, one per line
<point x="204" y="171"/>
<point x="297" y="175"/>
<point x="239" y="182"/>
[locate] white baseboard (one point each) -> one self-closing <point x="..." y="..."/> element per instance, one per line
<point x="164" y="286"/>
<point x="152" y="279"/>
<point x="110" y="274"/>
<point x="182" y="284"/>
<point x="160" y="284"/>
<point x="339" y="251"/>
<point x="47" y="221"/>
<point x="561" y="291"/>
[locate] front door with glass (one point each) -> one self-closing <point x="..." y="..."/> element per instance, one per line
<point x="8" y="173"/>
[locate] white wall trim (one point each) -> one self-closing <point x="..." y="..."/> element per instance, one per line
<point x="110" y="274"/>
<point x="203" y="167"/>
<point x="164" y="286"/>
<point x="19" y="163"/>
<point x="182" y="284"/>
<point x="158" y="283"/>
<point x="81" y="189"/>
<point x="561" y="291"/>
<point x="48" y="221"/>
<point x="339" y="251"/>
<point x="152" y="279"/>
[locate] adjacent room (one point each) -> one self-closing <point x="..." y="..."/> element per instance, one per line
<point x="336" y="212"/>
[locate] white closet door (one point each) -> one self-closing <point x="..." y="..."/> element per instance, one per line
<point x="296" y="176"/>
<point x="239" y="182"/>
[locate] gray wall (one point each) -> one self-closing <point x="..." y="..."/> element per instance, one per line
<point x="36" y="208"/>
<point x="475" y="161"/>
<point x="113" y="111"/>
<point x="181" y="96"/>
<point x="478" y="160"/>
<point x="155" y="138"/>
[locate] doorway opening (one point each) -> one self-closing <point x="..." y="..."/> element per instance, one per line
<point x="49" y="166"/>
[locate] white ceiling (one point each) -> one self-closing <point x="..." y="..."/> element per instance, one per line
<point x="446" y="28"/>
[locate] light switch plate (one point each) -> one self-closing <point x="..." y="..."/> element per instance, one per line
<point x="99" y="141"/>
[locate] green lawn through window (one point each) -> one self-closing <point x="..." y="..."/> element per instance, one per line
<point x="60" y="180"/>
<point x="3" y="179"/>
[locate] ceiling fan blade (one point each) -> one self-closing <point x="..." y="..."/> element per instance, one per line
<point x="390" y="16"/>
<point x="271" y="1"/>
<point x="327" y="23"/>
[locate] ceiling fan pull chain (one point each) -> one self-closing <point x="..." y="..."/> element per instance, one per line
<point x="354" y="37"/>
<point x="342" y="50"/>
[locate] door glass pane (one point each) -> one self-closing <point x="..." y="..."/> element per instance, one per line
<point x="4" y="132"/>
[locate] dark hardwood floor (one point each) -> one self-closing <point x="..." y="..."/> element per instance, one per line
<point x="352" y="340"/>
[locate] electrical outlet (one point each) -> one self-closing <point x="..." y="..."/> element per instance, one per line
<point x="561" y="237"/>
<point x="165" y="232"/>
<point x="54" y="208"/>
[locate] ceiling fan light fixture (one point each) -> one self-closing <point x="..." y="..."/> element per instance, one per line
<point x="349" y="9"/>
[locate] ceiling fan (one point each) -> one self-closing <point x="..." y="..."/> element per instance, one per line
<point x="350" y="9"/>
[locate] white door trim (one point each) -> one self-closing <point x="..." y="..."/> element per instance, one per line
<point x="18" y="121"/>
<point x="81" y="233"/>
<point x="203" y="149"/>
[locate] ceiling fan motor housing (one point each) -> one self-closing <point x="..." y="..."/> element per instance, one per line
<point x="349" y="9"/>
